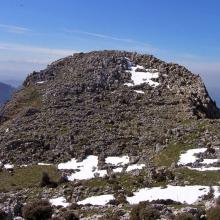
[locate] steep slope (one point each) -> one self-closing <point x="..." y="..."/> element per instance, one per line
<point x="5" y="92"/>
<point x="101" y="103"/>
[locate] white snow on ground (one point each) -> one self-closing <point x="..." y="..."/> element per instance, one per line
<point x="88" y="168"/>
<point x="97" y="200"/>
<point x="183" y="194"/>
<point x="8" y="166"/>
<point x="40" y="82"/>
<point x="91" y="161"/>
<point x="117" y="161"/>
<point x="118" y="170"/>
<point x="135" y="167"/>
<point x="139" y="77"/>
<point x="204" y="168"/>
<point x="44" y="164"/>
<point x="60" y="201"/>
<point x="24" y="165"/>
<point x="139" y="91"/>
<point x="85" y="169"/>
<point x="190" y="157"/>
<point x="209" y="161"/>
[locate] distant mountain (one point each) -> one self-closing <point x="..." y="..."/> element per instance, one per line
<point x="5" y="92"/>
<point x="215" y="94"/>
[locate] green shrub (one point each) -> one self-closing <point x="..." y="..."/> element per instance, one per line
<point x="3" y="215"/>
<point x="120" y="198"/>
<point x="46" y="181"/>
<point x="38" y="210"/>
<point x="18" y="209"/>
<point x="143" y="211"/>
<point x="68" y="215"/>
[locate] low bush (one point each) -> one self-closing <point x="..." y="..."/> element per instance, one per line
<point x="3" y="215"/>
<point x="143" y="211"/>
<point x="63" y="179"/>
<point x="120" y="199"/>
<point x="46" y="181"/>
<point x="38" y="210"/>
<point x="68" y="215"/>
<point x="18" y="209"/>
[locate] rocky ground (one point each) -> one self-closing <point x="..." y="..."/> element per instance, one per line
<point x="92" y="104"/>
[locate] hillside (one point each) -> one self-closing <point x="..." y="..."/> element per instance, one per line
<point x="5" y="92"/>
<point x="113" y="122"/>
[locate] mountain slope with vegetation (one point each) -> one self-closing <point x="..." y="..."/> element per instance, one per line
<point x="104" y="125"/>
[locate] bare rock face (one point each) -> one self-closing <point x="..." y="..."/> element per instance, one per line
<point x="82" y="105"/>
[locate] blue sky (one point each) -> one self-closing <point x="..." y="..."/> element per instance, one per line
<point x="34" y="33"/>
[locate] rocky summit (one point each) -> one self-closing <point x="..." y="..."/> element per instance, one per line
<point x="122" y="121"/>
<point x="81" y="105"/>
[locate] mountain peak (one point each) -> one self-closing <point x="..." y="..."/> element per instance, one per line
<point x="100" y="70"/>
<point x="91" y="102"/>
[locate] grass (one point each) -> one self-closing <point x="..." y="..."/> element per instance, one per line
<point x="96" y="182"/>
<point x="31" y="97"/>
<point x="194" y="177"/>
<point x="28" y="97"/>
<point x="126" y="181"/>
<point x="172" y="152"/>
<point x="26" y="177"/>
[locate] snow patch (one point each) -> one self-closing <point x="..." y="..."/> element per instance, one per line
<point x="97" y="200"/>
<point x="139" y="91"/>
<point x="183" y="194"/>
<point x="117" y="160"/>
<point x="144" y="76"/>
<point x="118" y="170"/>
<point x="209" y="161"/>
<point x="8" y="166"/>
<point x="88" y="168"/>
<point x="189" y="157"/>
<point x="135" y="167"/>
<point x="204" y="168"/>
<point x="40" y="82"/>
<point x="60" y="201"/>
<point x="45" y="164"/>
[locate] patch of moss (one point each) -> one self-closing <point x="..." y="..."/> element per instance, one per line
<point x="26" y="177"/>
<point x="172" y="152"/>
<point x="195" y="177"/>
<point x="96" y="182"/>
<point x="30" y="97"/>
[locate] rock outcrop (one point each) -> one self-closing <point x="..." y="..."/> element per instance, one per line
<point x="88" y="104"/>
